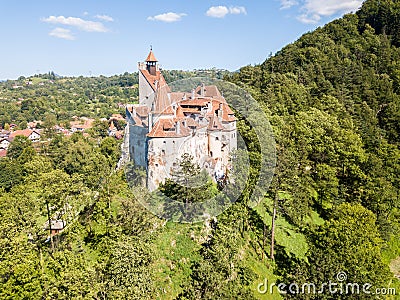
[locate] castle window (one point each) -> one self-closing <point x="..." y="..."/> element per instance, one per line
<point x="163" y="152"/>
<point x="217" y="138"/>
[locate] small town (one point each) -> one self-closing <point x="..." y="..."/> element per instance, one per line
<point x="34" y="131"/>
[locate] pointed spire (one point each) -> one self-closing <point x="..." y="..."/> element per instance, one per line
<point x="151" y="57"/>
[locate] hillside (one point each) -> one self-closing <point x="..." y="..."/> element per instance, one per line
<point x="333" y="100"/>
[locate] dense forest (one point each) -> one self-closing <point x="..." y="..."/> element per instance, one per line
<point x="333" y="100"/>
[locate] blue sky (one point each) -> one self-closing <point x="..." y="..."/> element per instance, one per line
<point x="94" y="37"/>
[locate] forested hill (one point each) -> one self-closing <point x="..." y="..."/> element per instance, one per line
<point x="355" y="59"/>
<point x="333" y="97"/>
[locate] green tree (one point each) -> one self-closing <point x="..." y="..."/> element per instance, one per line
<point x="348" y="242"/>
<point x="109" y="148"/>
<point x="49" y="122"/>
<point x="222" y="272"/>
<point x="128" y="270"/>
<point x="18" y="146"/>
<point x="188" y="184"/>
<point x="11" y="173"/>
<point x="99" y="129"/>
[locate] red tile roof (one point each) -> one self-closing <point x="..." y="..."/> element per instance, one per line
<point x="227" y="113"/>
<point x="196" y="102"/>
<point x="162" y="103"/>
<point x="151" y="57"/>
<point x="177" y="96"/>
<point x="209" y="91"/>
<point x="162" y="128"/>
<point x="179" y="112"/>
<point x="190" y="122"/>
<point x="214" y="124"/>
<point x="190" y="110"/>
<point x="25" y="132"/>
<point x="142" y="110"/>
<point x="3" y="153"/>
<point x="151" y="79"/>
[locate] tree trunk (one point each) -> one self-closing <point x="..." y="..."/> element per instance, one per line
<point x="49" y="220"/>
<point x="273" y="231"/>
<point x="263" y="245"/>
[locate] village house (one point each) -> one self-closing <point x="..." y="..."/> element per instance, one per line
<point x="33" y="135"/>
<point x="56" y="226"/>
<point x="4" y="143"/>
<point x="165" y="125"/>
<point x="81" y="125"/>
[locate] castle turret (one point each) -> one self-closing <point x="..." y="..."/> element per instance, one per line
<point x="150" y="79"/>
<point x="151" y="63"/>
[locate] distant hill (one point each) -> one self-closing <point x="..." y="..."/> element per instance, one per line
<point x="29" y="98"/>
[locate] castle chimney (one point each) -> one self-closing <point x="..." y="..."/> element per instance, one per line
<point x="178" y="127"/>
<point x="193" y="91"/>
<point x="202" y="90"/>
<point x="174" y="108"/>
<point x="220" y="111"/>
<point x="150" y="121"/>
<point x="209" y="106"/>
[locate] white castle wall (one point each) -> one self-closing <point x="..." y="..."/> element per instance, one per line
<point x="146" y="93"/>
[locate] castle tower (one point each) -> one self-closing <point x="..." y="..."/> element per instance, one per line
<point x="153" y="88"/>
<point x="151" y="63"/>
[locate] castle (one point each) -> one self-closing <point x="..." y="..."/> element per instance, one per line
<point x="166" y="124"/>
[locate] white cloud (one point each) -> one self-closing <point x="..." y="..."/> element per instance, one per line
<point x="167" y="17"/>
<point x="315" y="9"/>
<point x="309" y="19"/>
<point x="217" y="11"/>
<point x="330" y="7"/>
<point x="79" y="23"/>
<point x="62" y="33"/>
<point x="285" y="4"/>
<point x="237" y="10"/>
<point x="221" y="11"/>
<point x="105" y="18"/>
